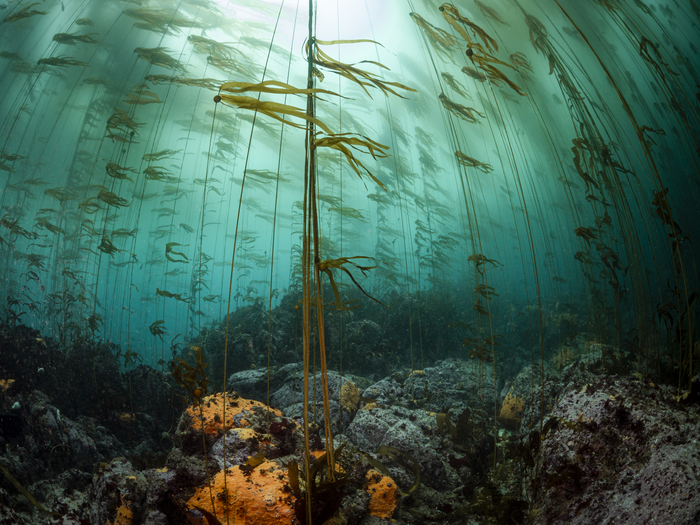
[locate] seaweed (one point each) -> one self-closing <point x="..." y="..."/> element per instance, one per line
<point x="406" y="461"/>
<point x="26" y="493"/>
<point x="327" y="491"/>
<point x="191" y="378"/>
<point x="157" y="328"/>
<point x="72" y="38"/>
<point x="329" y="264"/>
<point x="23" y="13"/>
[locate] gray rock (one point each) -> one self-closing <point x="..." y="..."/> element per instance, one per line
<point x="237" y="450"/>
<point x="636" y="461"/>
<point x="452" y="383"/>
<point x="340" y="417"/>
<point x="528" y="386"/>
<point x="250" y="384"/>
<point x="393" y="427"/>
<point x="116" y="485"/>
<point x="289" y="397"/>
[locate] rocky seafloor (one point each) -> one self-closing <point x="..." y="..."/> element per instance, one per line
<point x="85" y="443"/>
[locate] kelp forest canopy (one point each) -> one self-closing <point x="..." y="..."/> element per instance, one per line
<point x="510" y="173"/>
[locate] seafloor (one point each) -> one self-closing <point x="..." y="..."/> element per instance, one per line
<point x="84" y="442"/>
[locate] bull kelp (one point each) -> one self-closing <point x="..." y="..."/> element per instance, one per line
<point x="365" y="190"/>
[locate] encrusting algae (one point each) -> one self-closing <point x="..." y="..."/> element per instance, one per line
<point x="266" y="490"/>
<point x="124" y="515"/>
<point x="512" y="410"/>
<point x="384" y="495"/>
<point x="261" y="496"/>
<point x="212" y="411"/>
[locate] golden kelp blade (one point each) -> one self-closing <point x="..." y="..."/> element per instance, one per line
<point x="463" y="112"/>
<point x="107" y="247"/>
<point x="271" y="86"/>
<point x="71" y="38"/>
<point x="441" y="40"/>
<point x="470" y="162"/>
<point x="266" y="176"/>
<point x="161" y="21"/>
<point x="491" y="13"/>
<point x="355" y="41"/>
<point x="44" y="224"/>
<point x="169" y="250"/>
<point x="352" y="73"/>
<point x="480" y="309"/>
<point x="112" y="199"/>
<point x="273" y="110"/>
<point x="23" y="13"/>
<point x="170" y="295"/>
<point x="339" y="142"/>
<point x="60" y="61"/>
<point x="61" y="194"/>
<point x="456" y="86"/>
<point x="118" y="172"/>
<point x="521" y="61"/>
<point x="328" y="264"/>
<point x="478" y="55"/>
<point x="452" y="16"/>
<point x="207" y="83"/>
<point x="158" y="57"/>
<point x="158" y="328"/>
<point x="207" y="46"/>
<point x="350" y="213"/>
<point x="158" y="173"/>
<point x="480" y="260"/>
<point x="485" y="291"/>
<point x="159" y="155"/>
<point x="120" y="120"/>
<point x="142" y="98"/>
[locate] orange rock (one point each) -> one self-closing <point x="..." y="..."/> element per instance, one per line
<point x="512" y="410"/>
<point x="261" y="497"/>
<point x="213" y="412"/>
<point x="384" y="494"/>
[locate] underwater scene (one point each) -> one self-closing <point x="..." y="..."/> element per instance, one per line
<point x="349" y="262"/>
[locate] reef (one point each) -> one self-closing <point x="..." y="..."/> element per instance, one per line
<point x="412" y="447"/>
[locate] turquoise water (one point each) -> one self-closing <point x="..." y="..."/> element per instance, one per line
<point x="518" y="180"/>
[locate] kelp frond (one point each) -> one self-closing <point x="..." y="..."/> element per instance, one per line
<point x="158" y="57"/>
<point x="329" y="264"/>
<point x="207" y="46"/>
<point x="23" y="13"/>
<point x="72" y="38"/>
<point x="341" y="141"/>
<point x="440" y="39"/>
<point x="485" y="61"/>
<point x="463" y="112"/>
<point x="273" y="110"/>
<point x="456" y="86"/>
<point x="271" y="86"/>
<point x="470" y="162"/>
<point x="349" y="71"/>
<point x="60" y="61"/>
<point x="162" y="21"/>
<point x="207" y="83"/>
<point x="452" y="16"/>
<point x="491" y="13"/>
<point x="159" y="155"/>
